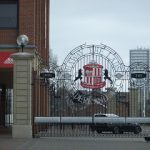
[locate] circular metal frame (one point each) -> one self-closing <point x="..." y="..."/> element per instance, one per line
<point x="101" y="54"/>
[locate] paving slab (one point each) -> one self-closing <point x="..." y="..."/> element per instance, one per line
<point x="74" y="143"/>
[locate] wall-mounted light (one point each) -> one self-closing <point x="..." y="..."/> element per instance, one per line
<point x="22" y="40"/>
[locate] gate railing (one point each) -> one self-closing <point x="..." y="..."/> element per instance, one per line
<point x="88" y="126"/>
<point x="89" y="120"/>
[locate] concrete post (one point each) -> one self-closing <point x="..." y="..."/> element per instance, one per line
<point x="22" y="109"/>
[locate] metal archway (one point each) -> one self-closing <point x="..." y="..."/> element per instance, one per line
<point x="78" y="97"/>
<point x="101" y="54"/>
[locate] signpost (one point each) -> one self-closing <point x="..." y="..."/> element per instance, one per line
<point x="47" y="75"/>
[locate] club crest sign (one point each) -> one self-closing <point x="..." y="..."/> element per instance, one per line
<point x="93" y="76"/>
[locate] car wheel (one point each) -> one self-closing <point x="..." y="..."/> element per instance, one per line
<point x="99" y="131"/>
<point x="92" y="128"/>
<point x="121" y="132"/>
<point x="116" y="130"/>
<point x="137" y="130"/>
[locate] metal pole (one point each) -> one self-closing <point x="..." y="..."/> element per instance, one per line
<point x="144" y="103"/>
<point x="22" y="46"/>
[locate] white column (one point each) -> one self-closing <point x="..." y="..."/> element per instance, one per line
<point x="22" y="102"/>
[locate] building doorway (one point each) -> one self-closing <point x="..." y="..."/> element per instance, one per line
<point x="6" y="100"/>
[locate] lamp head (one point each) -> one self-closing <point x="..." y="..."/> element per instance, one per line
<point x="22" y="40"/>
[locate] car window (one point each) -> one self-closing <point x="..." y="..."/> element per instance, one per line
<point x="105" y="115"/>
<point x="100" y="115"/>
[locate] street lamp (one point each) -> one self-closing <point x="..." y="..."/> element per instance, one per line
<point x="22" y="40"/>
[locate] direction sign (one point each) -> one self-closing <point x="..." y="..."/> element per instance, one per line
<point x="138" y="75"/>
<point x="47" y="75"/>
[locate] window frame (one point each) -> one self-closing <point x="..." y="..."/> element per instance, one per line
<point x="17" y="16"/>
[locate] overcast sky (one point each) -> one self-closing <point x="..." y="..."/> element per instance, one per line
<point x="119" y="24"/>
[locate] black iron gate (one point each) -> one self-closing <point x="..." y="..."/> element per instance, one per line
<point x="94" y="81"/>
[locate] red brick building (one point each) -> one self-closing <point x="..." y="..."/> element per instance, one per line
<point x="29" y="17"/>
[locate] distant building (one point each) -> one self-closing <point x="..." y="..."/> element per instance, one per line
<point x="140" y="55"/>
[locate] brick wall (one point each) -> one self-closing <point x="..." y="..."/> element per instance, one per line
<point x="32" y="16"/>
<point x="8" y="36"/>
<point x="27" y="19"/>
<point x="32" y="23"/>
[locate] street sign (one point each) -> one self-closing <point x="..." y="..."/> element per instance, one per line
<point x="138" y="75"/>
<point x="47" y="75"/>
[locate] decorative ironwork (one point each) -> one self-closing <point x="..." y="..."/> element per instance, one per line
<point x="94" y="54"/>
<point x="139" y="74"/>
<point x="87" y="68"/>
<point x="91" y="80"/>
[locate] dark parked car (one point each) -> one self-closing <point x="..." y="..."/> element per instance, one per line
<point x="115" y="128"/>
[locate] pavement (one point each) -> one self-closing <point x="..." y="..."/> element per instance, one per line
<point x="73" y="143"/>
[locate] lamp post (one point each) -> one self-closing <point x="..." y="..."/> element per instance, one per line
<point x="22" y="112"/>
<point x="22" y="41"/>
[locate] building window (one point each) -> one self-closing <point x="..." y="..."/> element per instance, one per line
<point x="8" y="13"/>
